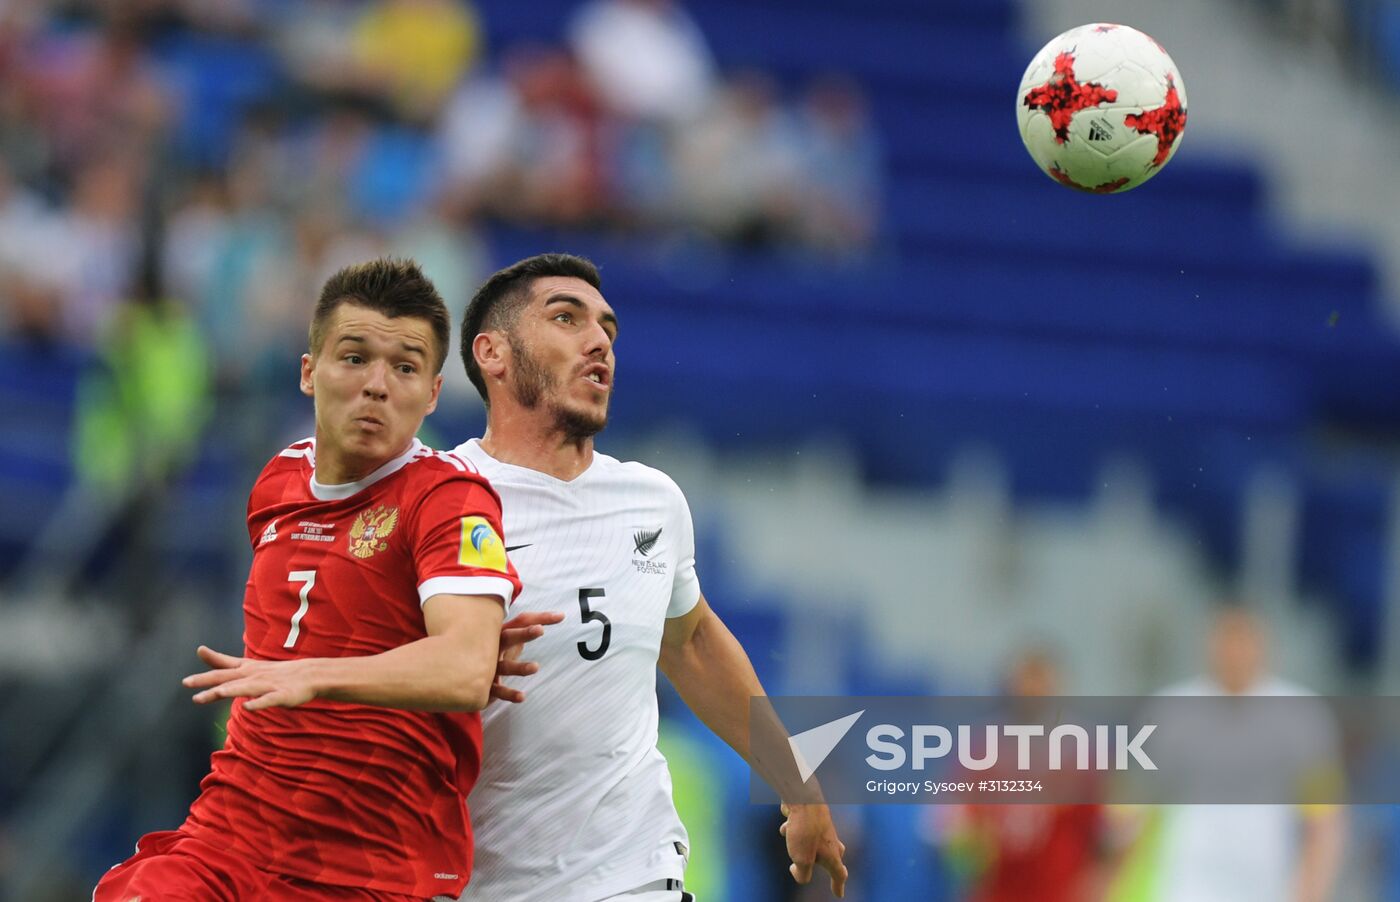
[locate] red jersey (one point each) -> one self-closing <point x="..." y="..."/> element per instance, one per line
<point x="334" y="792"/>
<point x="1043" y="852"/>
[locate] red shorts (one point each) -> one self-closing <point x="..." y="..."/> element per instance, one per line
<point x="173" y="867"/>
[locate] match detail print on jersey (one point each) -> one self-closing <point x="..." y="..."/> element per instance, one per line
<point x="481" y="547"/>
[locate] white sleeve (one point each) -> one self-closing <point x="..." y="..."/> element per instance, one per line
<point x="685" y="587"/>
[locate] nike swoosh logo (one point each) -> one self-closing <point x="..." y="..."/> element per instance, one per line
<point x="510" y="548"/>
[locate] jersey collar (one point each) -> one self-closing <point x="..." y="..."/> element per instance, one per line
<point x="341" y="491"/>
<point x="473" y="447"/>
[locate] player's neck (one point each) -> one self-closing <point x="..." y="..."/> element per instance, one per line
<point x="548" y="451"/>
<point x="335" y="467"/>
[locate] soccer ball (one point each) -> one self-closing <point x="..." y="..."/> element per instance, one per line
<point x="1101" y="108"/>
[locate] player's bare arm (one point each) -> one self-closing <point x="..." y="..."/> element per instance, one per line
<point x="515" y="633"/>
<point x="451" y="669"/>
<point x="713" y="675"/>
<point x="1320" y="861"/>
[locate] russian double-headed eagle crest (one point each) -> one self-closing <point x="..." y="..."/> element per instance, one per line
<point x="371" y="528"/>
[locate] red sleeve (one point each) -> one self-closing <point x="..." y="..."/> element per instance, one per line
<point x="269" y="490"/>
<point x="456" y="542"/>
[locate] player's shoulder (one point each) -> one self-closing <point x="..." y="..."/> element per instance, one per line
<point x="297" y="459"/>
<point x="286" y="478"/>
<point x="470" y="452"/>
<point x="428" y="468"/>
<point x="605" y="474"/>
<point x="633" y="471"/>
<point x="428" y="461"/>
<point x="636" y="476"/>
<point x="299" y="455"/>
<point x="439" y="484"/>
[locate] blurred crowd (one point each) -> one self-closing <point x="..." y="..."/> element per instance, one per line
<point x="229" y="155"/>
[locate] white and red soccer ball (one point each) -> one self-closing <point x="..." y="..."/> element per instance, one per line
<point x="1101" y="108"/>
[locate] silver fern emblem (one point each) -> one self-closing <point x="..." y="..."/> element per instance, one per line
<point x="646" y="540"/>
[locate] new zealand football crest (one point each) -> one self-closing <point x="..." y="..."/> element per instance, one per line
<point x="645" y="540"/>
<point x="372" y="527"/>
<point x="644" y="543"/>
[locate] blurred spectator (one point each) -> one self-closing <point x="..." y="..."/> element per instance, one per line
<point x="740" y="165"/>
<point x="317" y="164"/>
<point x="313" y="38"/>
<point x="142" y="409"/>
<point x="1016" y="852"/>
<point x="22" y="146"/>
<point x="94" y="249"/>
<point x="392" y="180"/>
<point x="457" y="261"/>
<point x="18" y="19"/>
<point x="478" y="133"/>
<point x="1231" y="853"/>
<point x="542" y="159"/>
<point x="198" y="226"/>
<point x="415" y="51"/>
<point x="452" y="256"/>
<point x="283" y="287"/>
<point x="647" y="58"/>
<point x="262" y="128"/>
<point x="95" y="93"/>
<point x="216" y="240"/>
<point x="29" y="297"/>
<point x="841" y="167"/>
<point x="71" y="265"/>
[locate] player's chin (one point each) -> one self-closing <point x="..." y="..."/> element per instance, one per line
<point x="585" y="418"/>
<point x="593" y="421"/>
<point x="372" y="446"/>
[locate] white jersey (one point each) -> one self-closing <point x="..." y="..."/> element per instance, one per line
<point x="1235" y="853"/>
<point x="574" y="799"/>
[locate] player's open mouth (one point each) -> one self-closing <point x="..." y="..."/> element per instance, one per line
<point x="599" y="376"/>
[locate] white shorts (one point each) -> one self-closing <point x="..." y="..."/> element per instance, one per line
<point x="658" y="891"/>
<point x="666" y="890"/>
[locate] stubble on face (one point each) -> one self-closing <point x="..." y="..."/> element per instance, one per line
<point x="532" y="384"/>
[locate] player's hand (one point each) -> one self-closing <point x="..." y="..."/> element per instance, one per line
<point x="267" y="684"/>
<point x="812" y="842"/>
<point x="515" y="632"/>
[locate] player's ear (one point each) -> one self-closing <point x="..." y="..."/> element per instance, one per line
<point x="492" y="352"/>
<point x="437" y="391"/>
<point x="308" y="364"/>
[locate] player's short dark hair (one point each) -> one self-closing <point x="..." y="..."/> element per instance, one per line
<point x="392" y="286"/>
<point x="499" y="300"/>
